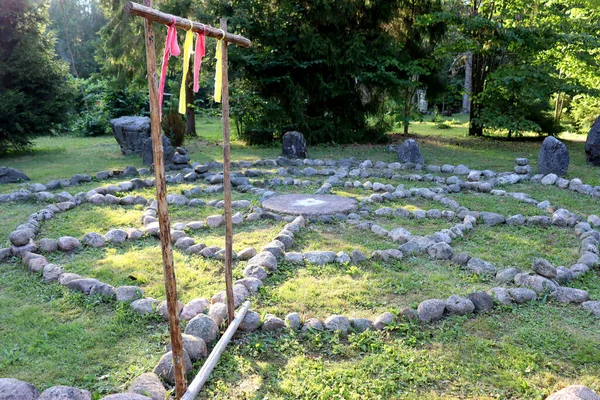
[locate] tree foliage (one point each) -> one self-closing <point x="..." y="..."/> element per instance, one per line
<point x="34" y="85"/>
<point x="321" y="67"/>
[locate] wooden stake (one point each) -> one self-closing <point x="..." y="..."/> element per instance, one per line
<point x="163" y="213"/>
<point x="212" y="359"/>
<point x="182" y="23"/>
<point x="226" y="180"/>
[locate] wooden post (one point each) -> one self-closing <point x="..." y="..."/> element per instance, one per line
<point x="226" y="180"/>
<point x="212" y="359"/>
<point x="163" y="213"/>
<point x="182" y="23"/>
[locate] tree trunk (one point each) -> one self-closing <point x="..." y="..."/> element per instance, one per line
<point x="466" y="101"/>
<point x="190" y="117"/>
<point x="479" y="73"/>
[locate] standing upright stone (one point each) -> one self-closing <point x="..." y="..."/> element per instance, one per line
<point x="130" y="133"/>
<point x="592" y="144"/>
<point x="409" y="152"/>
<point x="294" y="145"/>
<point x="553" y="158"/>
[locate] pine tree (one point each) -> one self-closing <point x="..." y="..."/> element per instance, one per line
<point x="34" y="84"/>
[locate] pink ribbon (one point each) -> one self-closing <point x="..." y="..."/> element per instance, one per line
<point x="171" y="49"/>
<point x="198" y="54"/>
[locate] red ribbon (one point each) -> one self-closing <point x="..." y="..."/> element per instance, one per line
<point x="198" y="54"/>
<point x="171" y="49"/>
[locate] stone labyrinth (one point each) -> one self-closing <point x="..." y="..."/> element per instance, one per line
<point x="269" y="183"/>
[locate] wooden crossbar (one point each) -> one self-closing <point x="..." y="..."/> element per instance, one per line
<point x="167" y="19"/>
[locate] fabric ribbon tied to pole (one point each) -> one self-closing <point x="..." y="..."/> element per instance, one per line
<point x="171" y="49"/>
<point x="198" y="54"/>
<point x="219" y="71"/>
<point x="187" y="50"/>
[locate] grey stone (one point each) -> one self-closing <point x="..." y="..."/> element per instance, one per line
<point x="125" y="396"/>
<point x="251" y="322"/>
<point x="549" y="179"/>
<point x="148" y="384"/>
<point x="144" y="306"/>
<point x="361" y="324"/>
<point x="52" y="272"/>
<point x="251" y="284"/>
<point x="409" y="151"/>
<point x="578" y="270"/>
<point x="12" y="175"/>
<point x="592" y="144"/>
<point x="292" y="320"/>
<point x="204" y="327"/>
<point x="264" y="259"/>
<point x="570" y="295"/>
<point x="480" y="267"/>
<point x="482" y="301"/>
<point x="563" y="275"/>
<point x="538" y="283"/>
<point x="294" y="145"/>
<point x="357" y="257"/>
<point x="312" y="324"/>
<point x="94" y="239"/>
<point x="492" y="219"/>
<point x="553" y="157"/>
<point x="456" y="305"/>
<point x="193" y="308"/>
<point x="400" y="235"/>
<point x="165" y="369"/>
<point x="522" y="295"/>
<point x="383" y="320"/>
<point x="215" y="221"/>
<point x="319" y="257"/>
<point x="460" y="258"/>
<point x="337" y="323"/>
<point x="84" y="285"/>
<point x="255" y="271"/>
<point x="516" y="220"/>
<point x="593" y="307"/>
<point x="129" y="293"/>
<point x="507" y="275"/>
<point x="574" y="392"/>
<point x="440" y="251"/>
<point x="310" y="205"/>
<point x="64" y="393"/>
<point x="130" y="133"/>
<point x="116" y="236"/>
<point x="544" y="268"/>
<point x="37" y="264"/>
<point x="48" y="245"/>
<point x="22" y="236"/>
<point x="272" y="323"/>
<point x="431" y="310"/>
<point x="147" y="151"/>
<point x="14" y="389"/>
<point x="500" y="295"/>
<point x="195" y="347"/>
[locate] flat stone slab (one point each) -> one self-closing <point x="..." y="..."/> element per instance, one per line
<point x="310" y="205"/>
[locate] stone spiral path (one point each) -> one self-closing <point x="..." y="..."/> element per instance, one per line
<point x="256" y="178"/>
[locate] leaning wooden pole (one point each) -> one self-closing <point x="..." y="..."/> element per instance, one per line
<point x="163" y="213"/>
<point x="212" y="359"/>
<point x="226" y="178"/>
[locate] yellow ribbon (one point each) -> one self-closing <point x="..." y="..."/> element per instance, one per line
<point x="187" y="51"/>
<point x="219" y="72"/>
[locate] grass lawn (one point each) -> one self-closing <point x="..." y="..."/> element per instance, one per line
<point x="51" y="336"/>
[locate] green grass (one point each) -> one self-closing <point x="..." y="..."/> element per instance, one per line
<point x="51" y="336"/>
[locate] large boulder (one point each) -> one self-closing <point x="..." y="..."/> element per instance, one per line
<point x="294" y="145"/>
<point x="11" y="175"/>
<point x="14" y="389"/>
<point x="130" y="133"/>
<point x="409" y="151"/>
<point x="147" y="153"/>
<point x="553" y="157"/>
<point x="592" y="144"/>
<point x="574" y="392"/>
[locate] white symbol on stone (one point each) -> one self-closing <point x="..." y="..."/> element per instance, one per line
<point x="308" y="202"/>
